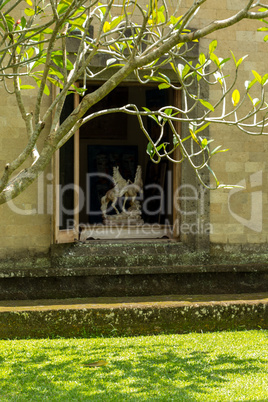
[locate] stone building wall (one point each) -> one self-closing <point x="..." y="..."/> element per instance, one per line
<point x="239" y="217"/>
<point x="26" y="223"/>
<point x="22" y="227"/>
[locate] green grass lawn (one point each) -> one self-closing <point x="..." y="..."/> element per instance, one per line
<point x="224" y="366"/>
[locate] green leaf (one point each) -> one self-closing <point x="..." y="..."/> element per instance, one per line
<point x="265" y="38"/>
<point x="29" y="12"/>
<point x="214" y="175"/>
<point x="10" y="22"/>
<point x="153" y="116"/>
<point x="29" y="53"/>
<point x="157" y="79"/>
<point x="257" y="76"/>
<point x="168" y="111"/>
<point x="165" y="77"/>
<point x="198" y="76"/>
<point x="161" y="17"/>
<point x="192" y="129"/>
<point x="206" y="104"/>
<point x="46" y="89"/>
<point x="27" y="87"/>
<point x="222" y="62"/>
<point x="33" y="38"/>
<point x="186" y="70"/>
<point x="251" y="83"/>
<point x="208" y="142"/>
<point x="254" y="101"/>
<point x="29" y="2"/>
<point x="4" y="3"/>
<point x="250" y="98"/>
<point x="173" y="67"/>
<point x="204" y="143"/>
<point x="212" y="46"/>
<point x="173" y="20"/>
<point x="23" y="22"/>
<point x="63" y="6"/>
<point x="38" y="62"/>
<point x="79" y="11"/>
<point x="58" y="60"/>
<point x="41" y="45"/>
<point x="163" y="145"/>
<point x="193" y="126"/>
<point x="175" y="140"/>
<point x="233" y="57"/>
<point x="55" y="72"/>
<point x="218" y="150"/>
<point x="202" y="58"/>
<point x="215" y="59"/>
<point x="163" y="86"/>
<point x="80" y="91"/>
<point x="264" y="79"/>
<point x="150" y="149"/>
<point x="186" y="138"/>
<point x="102" y="9"/>
<point x="240" y="61"/>
<point x="106" y="26"/>
<point x="202" y="128"/>
<point x="79" y="21"/>
<point x="235" y="97"/>
<point x="75" y="30"/>
<point x="218" y="76"/>
<point x="55" y="82"/>
<point x="116" y="21"/>
<point x="47" y="31"/>
<point x="194" y="137"/>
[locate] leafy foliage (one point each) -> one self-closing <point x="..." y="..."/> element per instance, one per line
<point x="150" y="39"/>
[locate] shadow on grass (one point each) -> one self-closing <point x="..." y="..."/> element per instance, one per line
<point x="133" y="374"/>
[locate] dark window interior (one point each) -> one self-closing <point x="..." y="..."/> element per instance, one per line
<point x="66" y="178"/>
<point x="116" y="140"/>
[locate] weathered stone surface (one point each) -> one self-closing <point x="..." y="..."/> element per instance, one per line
<point x="132" y="269"/>
<point x="123" y="285"/>
<point x="23" y="234"/>
<point x="132" y="316"/>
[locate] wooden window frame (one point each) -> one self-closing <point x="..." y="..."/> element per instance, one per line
<point x="72" y="235"/>
<point x="67" y="235"/>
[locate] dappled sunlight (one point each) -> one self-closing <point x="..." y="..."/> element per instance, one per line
<point x="195" y="367"/>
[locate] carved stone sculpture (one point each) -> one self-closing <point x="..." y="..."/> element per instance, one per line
<point x="128" y="190"/>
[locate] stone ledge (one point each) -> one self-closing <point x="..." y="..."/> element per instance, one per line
<point x="118" y="258"/>
<point x="131" y="270"/>
<point x="132" y="316"/>
<point x="131" y="284"/>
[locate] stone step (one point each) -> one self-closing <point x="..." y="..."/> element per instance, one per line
<point x="132" y="316"/>
<point x="134" y="281"/>
<point x="133" y="268"/>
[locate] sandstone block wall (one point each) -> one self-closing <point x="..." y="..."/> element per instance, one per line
<point x="236" y="218"/>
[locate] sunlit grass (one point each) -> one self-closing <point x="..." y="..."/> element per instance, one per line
<point x="226" y="366"/>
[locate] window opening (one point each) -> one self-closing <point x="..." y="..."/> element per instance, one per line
<point x="103" y="145"/>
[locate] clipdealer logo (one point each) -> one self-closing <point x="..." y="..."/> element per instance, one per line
<point x="255" y="220"/>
